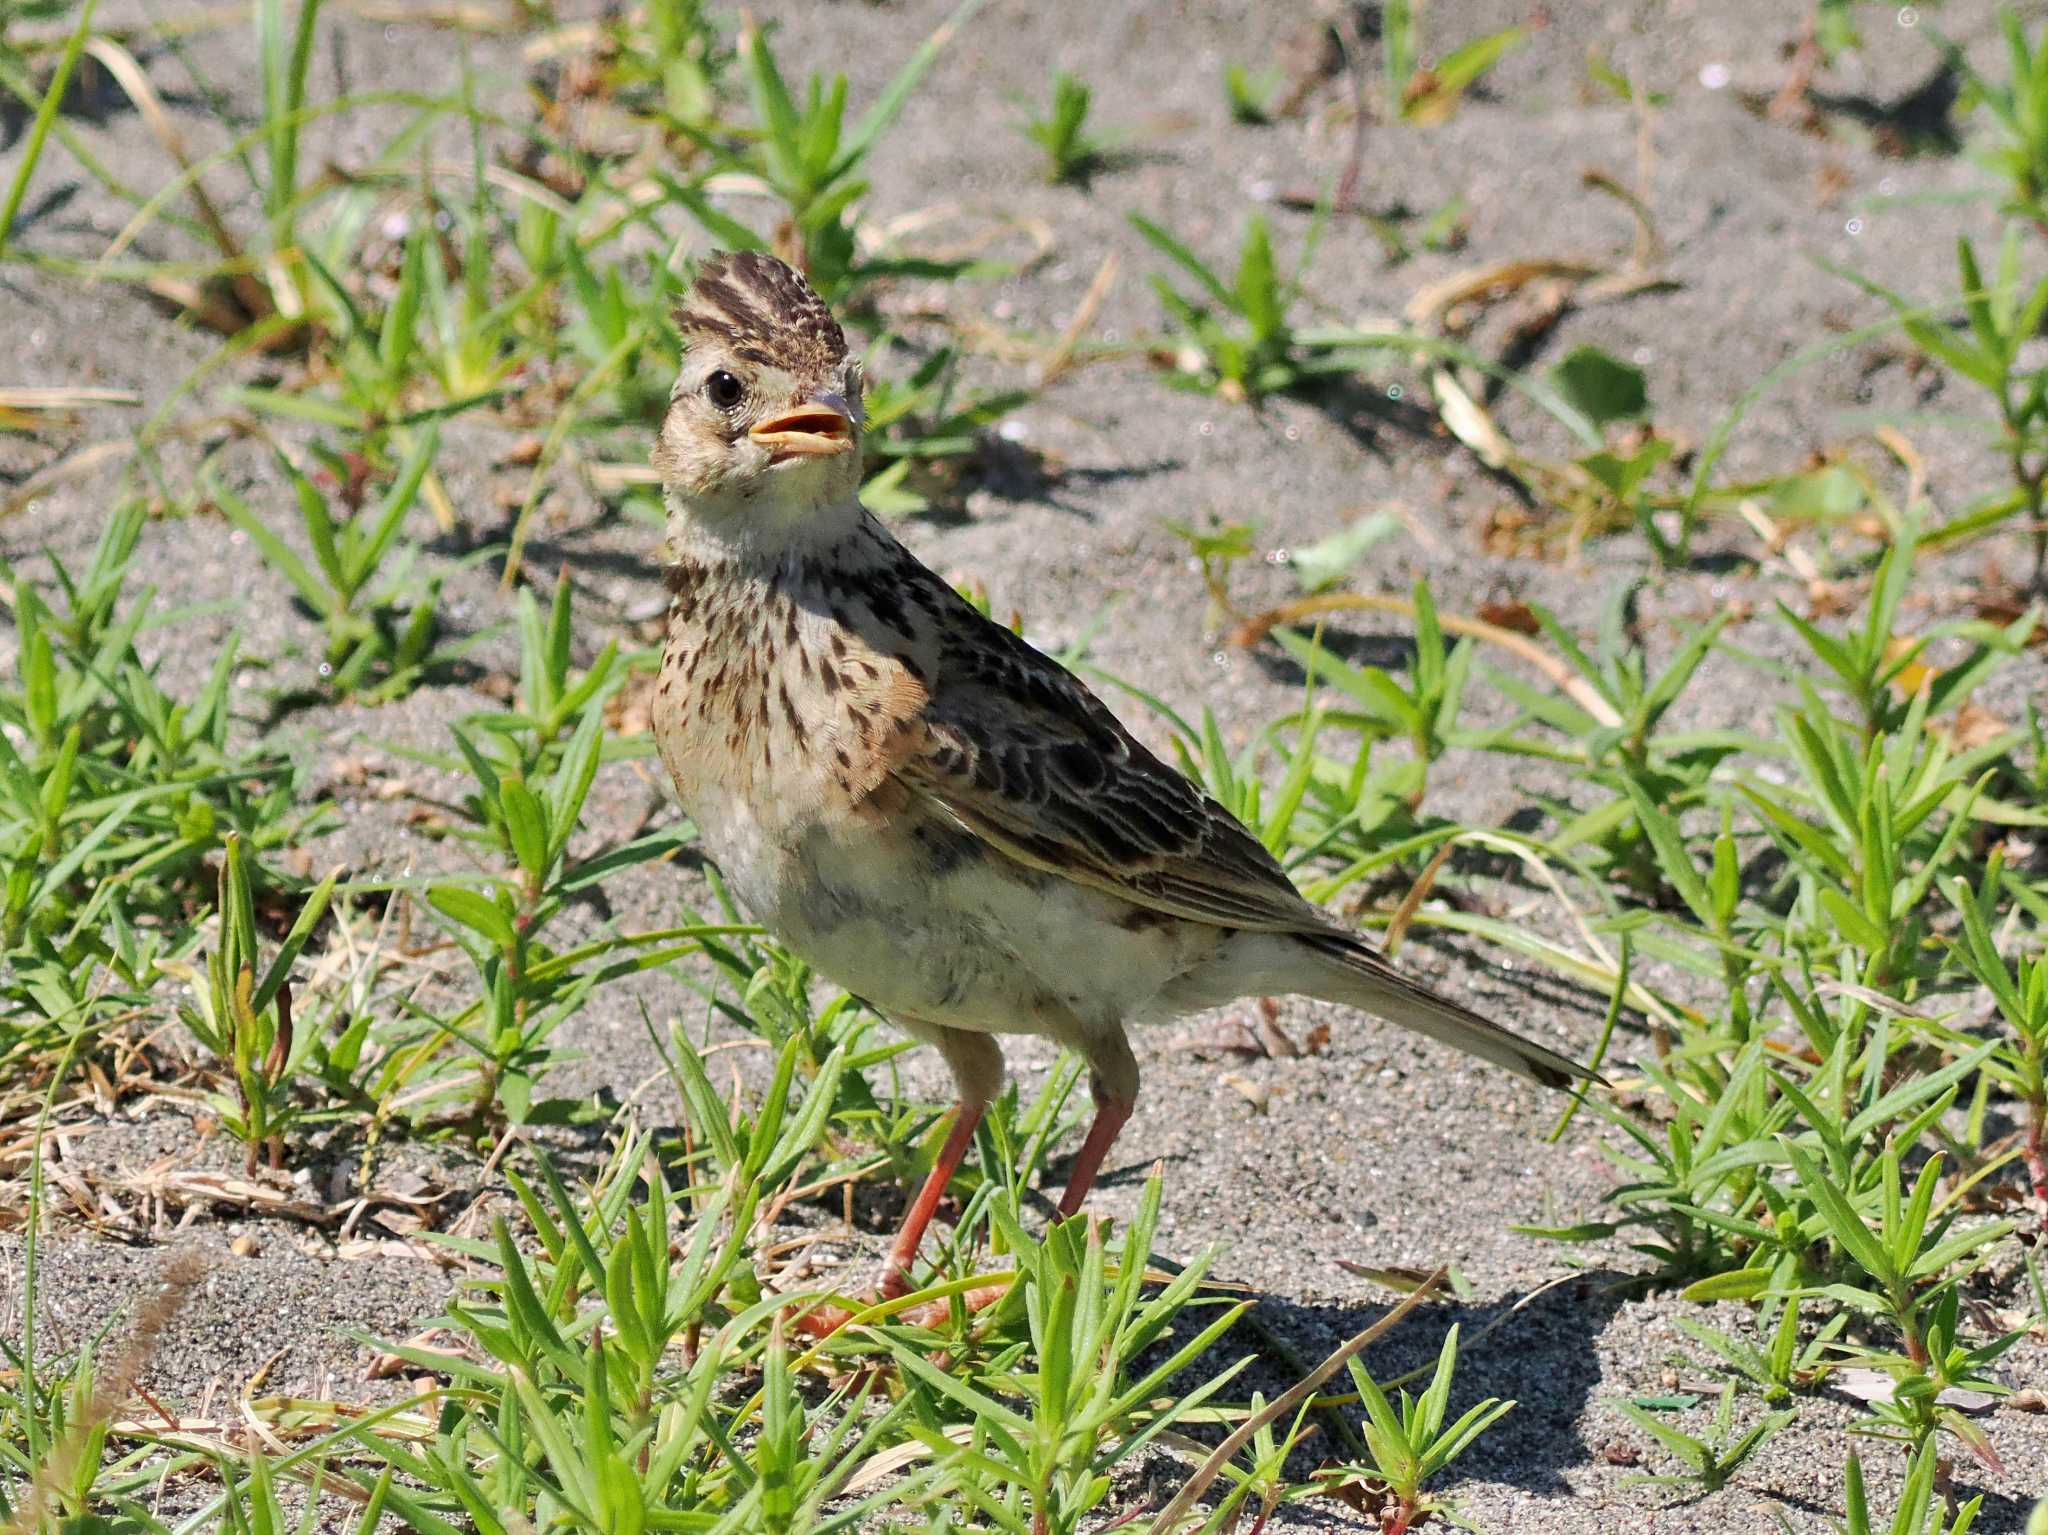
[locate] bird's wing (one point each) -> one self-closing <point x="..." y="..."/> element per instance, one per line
<point x="1019" y="753"/>
<point x="1024" y="756"/>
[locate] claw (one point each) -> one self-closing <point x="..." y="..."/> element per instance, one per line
<point x="820" y="1322"/>
<point x="935" y="1315"/>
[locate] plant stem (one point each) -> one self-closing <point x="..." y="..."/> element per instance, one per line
<point x="2034" y="1153"/>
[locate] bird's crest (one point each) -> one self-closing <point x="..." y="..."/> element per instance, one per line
<point x="762" y="311"/>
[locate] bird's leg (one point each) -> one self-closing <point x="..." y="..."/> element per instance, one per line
<point x="903" y="1253"/>
<point x="823" y="1321"/>
<point x="1110" y="1114"/>
<point x="1113" y="1082"/>
<point x="977" y="1064"/>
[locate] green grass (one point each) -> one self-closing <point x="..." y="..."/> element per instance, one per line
<point x="1072" y="153"/>
<point x="1815" y="942"/>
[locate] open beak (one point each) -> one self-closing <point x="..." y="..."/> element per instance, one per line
<point x="818" y="428"/>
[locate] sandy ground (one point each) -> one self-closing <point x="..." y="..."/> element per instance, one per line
<point x="1379" y="1151"/>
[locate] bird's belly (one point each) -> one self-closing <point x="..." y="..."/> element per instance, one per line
<point x="928" y="923"/>
<point x="917" y="916"/>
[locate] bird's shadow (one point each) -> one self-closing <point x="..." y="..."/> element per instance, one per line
<point x="1389" y="652"/>
<point x="1537" y="1351"/>
<point x="1921" y="121"/>
<point x="1998" y="1515"/>
<point x="1368" y="415"/>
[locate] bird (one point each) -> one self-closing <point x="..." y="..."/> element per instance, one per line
<point x="931" y="812"/>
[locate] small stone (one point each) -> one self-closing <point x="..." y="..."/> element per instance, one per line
<point x="1257" y="1094"/>
<point x="244" y="1246"/>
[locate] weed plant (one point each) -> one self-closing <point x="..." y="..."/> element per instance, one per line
<point x="1815" y="938"/>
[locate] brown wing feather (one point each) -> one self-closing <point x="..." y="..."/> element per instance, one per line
<point x="1023" y="755"/>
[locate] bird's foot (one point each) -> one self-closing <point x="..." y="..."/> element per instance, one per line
<point x="817" y="1322"/>
<point x="822" y="1321"/>
<point x="935" y="1314"/>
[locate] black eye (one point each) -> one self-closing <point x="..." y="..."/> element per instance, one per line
<point x="724" y="389"/>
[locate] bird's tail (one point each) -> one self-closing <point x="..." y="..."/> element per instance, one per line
<point x="1358" y="975"/>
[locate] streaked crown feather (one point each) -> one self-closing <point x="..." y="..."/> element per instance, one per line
<point x="761" y="310"/>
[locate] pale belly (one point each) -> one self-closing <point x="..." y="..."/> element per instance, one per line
<point x="926" y="922"/>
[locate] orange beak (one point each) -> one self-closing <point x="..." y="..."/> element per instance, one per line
<point x="818" y="428"/>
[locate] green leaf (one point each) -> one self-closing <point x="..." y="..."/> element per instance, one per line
<point x="1938" y="1257"/>
<point x="1735" y="1284"/>
<point x="1977" y="303"/>
<point x="294" y="943"/>
<point x="1257" y="288"/>
<point x="1585" y="1231"/>
<point x="389" y="517"/>
<point x="1604" y="388"/>
<point x="1171" y="247"/>
<point x="778" y="114"/>
<point x="1855" y="925"/>
<point x="395" y="341"/>
<point x="889" y="105"/>
<point x="526" y="826"/>
<point x="1673" y="857"/>
<point x="476" y="912"/>
<point x="1917" y="1090"/>
<point x="1322" y="564"/>
<point x="46" y="115"/>
<point x="1688" y="1449"/>
<point x="1844" y="1223"/>
<point x="1678" y="1401"/>
<point x="1622" y="476"/>
<point x="316" y="594"/>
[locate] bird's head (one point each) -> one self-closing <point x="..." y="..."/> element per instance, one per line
<point x="764" y="423"/>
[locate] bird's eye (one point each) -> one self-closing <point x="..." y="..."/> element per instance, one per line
<point x="724" y="389"/>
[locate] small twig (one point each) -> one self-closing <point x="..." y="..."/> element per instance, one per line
<point x="1397" y="925"/>
<point x="1433" y="299"/>
<point x="74" y="467"/>
<point x="1648" y="250"/>
<point x="1255" y="628"/>
<point x="1062" y="356"/>
<point x="1345" y="197"/>
<point x="251" y="294"/>
<point x="62" y="397"/>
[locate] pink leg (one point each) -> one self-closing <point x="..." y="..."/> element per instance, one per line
<point x="1110" y="1115"/>
<point x="823" y="1321"/>
<point x="896" y="1272"/>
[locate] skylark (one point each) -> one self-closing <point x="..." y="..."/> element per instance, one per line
<point x="932" y="813"/>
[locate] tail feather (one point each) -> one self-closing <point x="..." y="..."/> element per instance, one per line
<point x="1360" y="976"/>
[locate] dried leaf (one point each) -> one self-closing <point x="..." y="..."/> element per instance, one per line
<point x="1974" y="726"/>
<point x="1867" y="1385"/>
<point x="1514" y="616"/>
<point x="1495" y="280"/>
<point x="1469" y="421"/>
<point x="1257" y="1094"/>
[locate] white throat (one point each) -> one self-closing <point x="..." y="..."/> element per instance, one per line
<point x="760" y="530"/>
